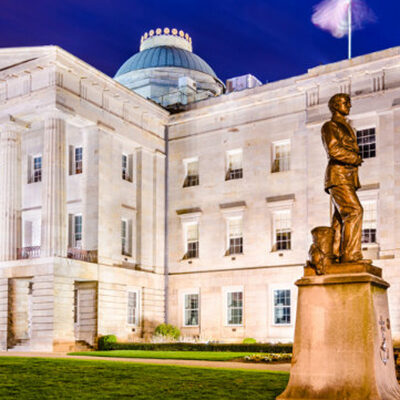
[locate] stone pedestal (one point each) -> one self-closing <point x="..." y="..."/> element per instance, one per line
<point x="343" y="343"/>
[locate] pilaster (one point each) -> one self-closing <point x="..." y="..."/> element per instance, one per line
<point x="54" y="211"/>
<point x="10" y="193"/>
<point x="145" y="203"/>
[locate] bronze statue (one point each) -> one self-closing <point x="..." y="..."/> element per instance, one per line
<point x="341" y="181"/>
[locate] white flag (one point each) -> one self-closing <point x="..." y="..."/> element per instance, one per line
<point x="332" y="16"/>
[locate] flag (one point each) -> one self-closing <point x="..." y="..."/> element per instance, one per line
<point x="332" y="16"/>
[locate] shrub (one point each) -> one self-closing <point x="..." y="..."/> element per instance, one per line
<point x="179" y="346"/>
<point x="249" y="340"/>
<point x="168" y="331"/>
<point x="106" y="342"/>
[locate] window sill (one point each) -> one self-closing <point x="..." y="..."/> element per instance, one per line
<point x="287" y="251"/>
<point x="280" y="172"/>
<point x="369" y="246"/>
<point x="190" y="326"/>
<point x="282" y="325"/>
<point x="234" y="326"/>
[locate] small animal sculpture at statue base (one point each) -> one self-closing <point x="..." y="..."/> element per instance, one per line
<point x="320" y="253"/>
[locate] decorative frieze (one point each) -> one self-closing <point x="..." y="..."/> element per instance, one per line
<point x="312" y="96"/>
<point x="378" y="81"/>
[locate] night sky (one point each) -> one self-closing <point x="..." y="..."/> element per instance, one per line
<point x="271" y="39"/>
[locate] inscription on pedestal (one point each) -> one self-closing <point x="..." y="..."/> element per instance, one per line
<point x="384" y="351"/>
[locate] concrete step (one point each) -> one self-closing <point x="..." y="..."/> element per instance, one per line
<point x="21" y="348"/>
<point x="82" y="345"/>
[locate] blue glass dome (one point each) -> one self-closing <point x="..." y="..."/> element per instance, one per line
<point x="165" y="56"/>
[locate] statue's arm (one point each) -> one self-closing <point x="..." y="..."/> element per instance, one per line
<point x="331" y="137"/>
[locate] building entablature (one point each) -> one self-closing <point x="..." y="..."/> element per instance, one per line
<point x="361" y="77"/>
<point x="53" y="67"/>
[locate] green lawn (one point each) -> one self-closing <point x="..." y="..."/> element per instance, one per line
<point x="41" y="378"/>
<point x="175" y="355"/>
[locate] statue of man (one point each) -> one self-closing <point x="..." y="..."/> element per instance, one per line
<point x="341" y="181"/>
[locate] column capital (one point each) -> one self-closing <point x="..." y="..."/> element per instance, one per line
<point x="69" y="116"/>
<point x="13" y="124"/>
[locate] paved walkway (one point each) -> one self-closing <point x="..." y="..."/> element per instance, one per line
<point x="193" y="363"/>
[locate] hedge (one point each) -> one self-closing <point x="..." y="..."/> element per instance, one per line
<point x="179" y="346"/>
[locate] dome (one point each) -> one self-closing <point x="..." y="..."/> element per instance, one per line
<point x="165" y="56"/>
<point x="167" y="71"/>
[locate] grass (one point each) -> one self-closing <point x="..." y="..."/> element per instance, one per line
<point x="41" y="378"/>
<point x="172" y="355"/>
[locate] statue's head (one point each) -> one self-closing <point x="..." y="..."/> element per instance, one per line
<point x="341" y="103"/>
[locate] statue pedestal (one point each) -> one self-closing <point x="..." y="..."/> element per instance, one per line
<point x="343" y="344"/>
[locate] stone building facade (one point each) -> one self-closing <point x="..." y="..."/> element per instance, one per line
<point x="116" y="214"/>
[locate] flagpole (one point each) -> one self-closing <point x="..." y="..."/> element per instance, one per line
<point x="349" y="23"/>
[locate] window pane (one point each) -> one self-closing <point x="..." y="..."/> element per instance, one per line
<point x="369" y="221"/>
<point x="282" y="307"/>
<point x="235" y="308"/>
<point x="235" y="161"/>
<point x="235" y="227"/>
<point x="125" y="168"/>
<point x="191" y="309"/>
<point x="37" y="169"/>
<point x="132" y="308"/>
<point x="193" y="168"/>
<point x="192" y="232"/>
<point x="282" y="227"/>
<point x="78" y="160"/>
<point x="366" y="141"/>
<point x="78" y="229"/>
<point x="281" y="161"/>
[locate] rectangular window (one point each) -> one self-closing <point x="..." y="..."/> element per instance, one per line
<point x="281" y="156"/>
<point x="78" y="160"/>
<point x="191" y="310"/>
<point x="125" y="237"/>
<point x="235" y="236"/>
<point x="369" y="221"/>
<point x="75" y="160"/>
<point x="192" y="173"/>
<point x="133" y="308"/>
<point x="192" y="241"/>
<point x="235" y="308"/>
<point x="78" y="231"/>
<point x="366" y="140"/>
<point x="35" y="169"/>
<point x="282" y="230"/>
<point x="234" y="165"/>
<point x="127" y="165"/>
<point x="282" y="307"/>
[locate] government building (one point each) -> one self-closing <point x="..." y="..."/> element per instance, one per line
<point x="166" y="195"/>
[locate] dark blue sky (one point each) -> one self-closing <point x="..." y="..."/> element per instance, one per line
<point x="272" y="39"/>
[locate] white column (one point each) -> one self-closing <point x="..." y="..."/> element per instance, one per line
<point x="54" y="209"/>
<point x="90" y="187"/>
<point x="10" y="187"/>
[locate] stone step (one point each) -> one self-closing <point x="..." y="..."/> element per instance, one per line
<point x="20" y="348"/>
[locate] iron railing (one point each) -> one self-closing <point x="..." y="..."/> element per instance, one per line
<point x="28" y="252"/>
